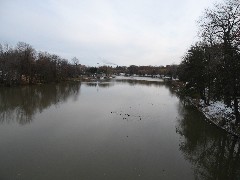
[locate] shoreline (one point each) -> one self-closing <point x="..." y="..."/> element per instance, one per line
<point x="220" y="121"/>
<point x="216" y="113"/>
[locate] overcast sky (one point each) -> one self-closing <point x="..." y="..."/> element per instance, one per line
<point x="123" y="32"/>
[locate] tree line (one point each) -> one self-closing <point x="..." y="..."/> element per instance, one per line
<point x="168" y="70"/>
<point x="211" y="67"/>
<point x="22" y="64"/>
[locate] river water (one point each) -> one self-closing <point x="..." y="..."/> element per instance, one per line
<point x="123" y="129"/>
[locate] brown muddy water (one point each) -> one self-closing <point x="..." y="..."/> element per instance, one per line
<point x="123" y="129"/>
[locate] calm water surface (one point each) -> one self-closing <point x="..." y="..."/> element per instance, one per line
<point x="123" y="129"/>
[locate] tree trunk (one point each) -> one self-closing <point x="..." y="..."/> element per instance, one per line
<point x="236" y="112"/>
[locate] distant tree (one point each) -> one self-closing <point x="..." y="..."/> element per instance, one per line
<point x="92" y="70"/>
<point x="22" y="64"/>
<point x="172" y="71"/>
<point x="133" y="69"/>
<point x="26" y="57"/>
<point x="44" y="69"/>
<point x="75" y="61"/>
<point x="192" y="69"/>
<point x="76" y="66"/>
<point x="9" y="65"/>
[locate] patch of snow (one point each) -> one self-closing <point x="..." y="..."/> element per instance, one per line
<point x="218" y="109"/>
<point x="219" y="114"/>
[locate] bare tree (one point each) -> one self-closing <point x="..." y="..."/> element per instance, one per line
<point x="26" y="56"/>
<point x="75" y="61"/>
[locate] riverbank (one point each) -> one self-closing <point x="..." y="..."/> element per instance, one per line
<point x="90" y="78"/>
<point x="219" y="114"/>
<point x="216" y="112"/>
<point x="75" y="79"/>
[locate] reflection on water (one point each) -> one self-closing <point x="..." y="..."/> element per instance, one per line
<point x="20" y="104"/>
<point x="213" y="154"/>
<point x="141" y="82"/>
<point x="103" y="84"/>
<point x="150" y="82"/>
